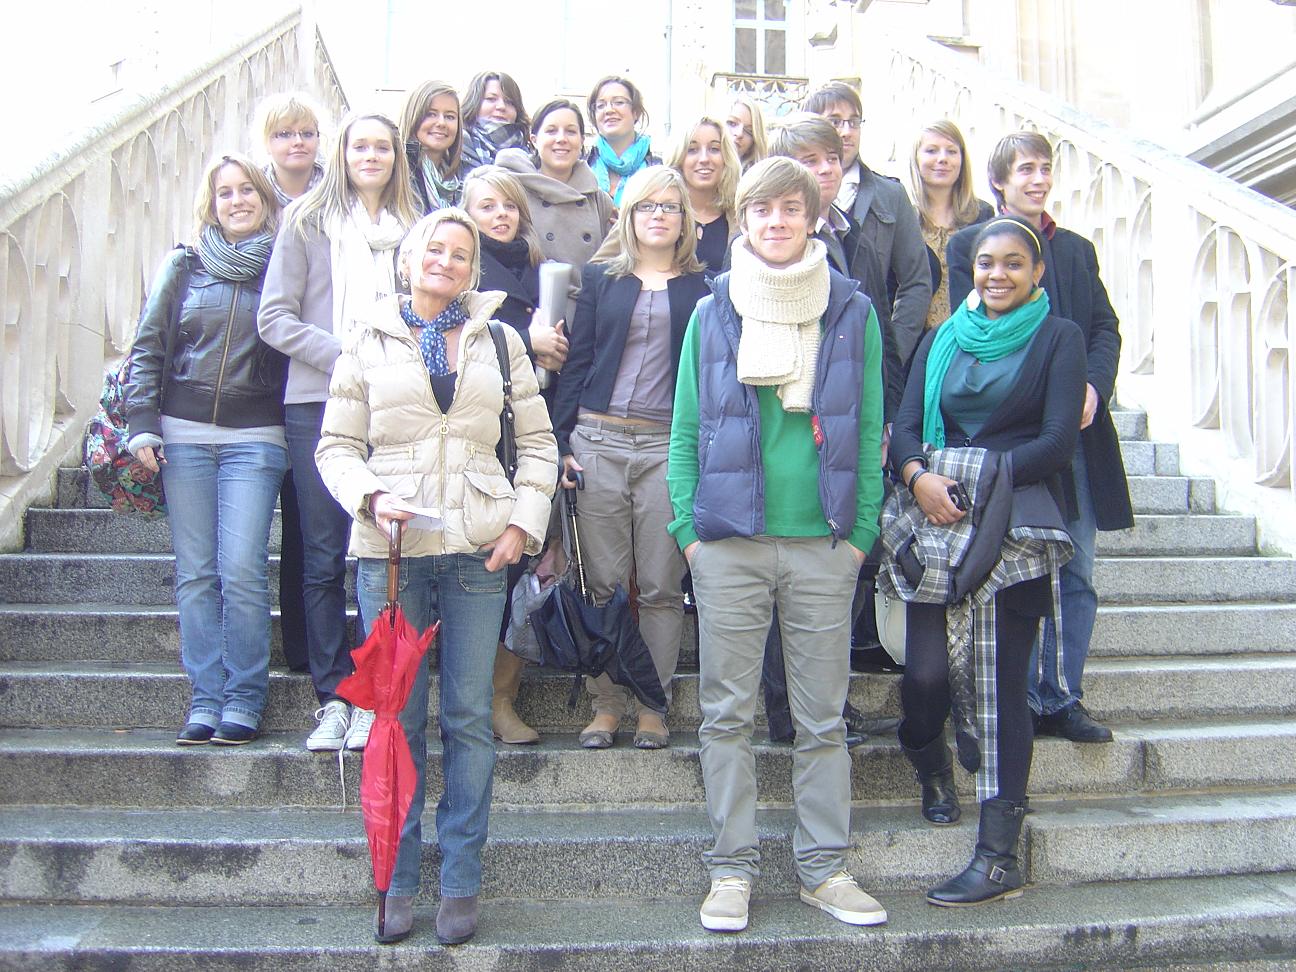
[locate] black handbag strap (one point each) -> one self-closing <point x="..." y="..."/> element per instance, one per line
<point x="507" y="450"/>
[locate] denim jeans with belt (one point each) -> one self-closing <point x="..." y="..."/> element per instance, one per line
<point x="325" y="529"/>
<point x="1079" y="610"/>
<point x="220" y="499"/>
<point x="469" y="601"/>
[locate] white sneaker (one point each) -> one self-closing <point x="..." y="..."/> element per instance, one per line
<point x="725" y="908"/>
<point x="358" y="735"/>
<point x="334" y="719"/>
<point x="842" y="898"/>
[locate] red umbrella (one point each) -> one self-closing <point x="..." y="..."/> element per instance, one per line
<point x="385" y="667"/>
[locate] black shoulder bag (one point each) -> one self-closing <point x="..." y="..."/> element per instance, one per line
<point x="507" y="448"/>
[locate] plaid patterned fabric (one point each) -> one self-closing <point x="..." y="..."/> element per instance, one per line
<point x="1027" y="552"/>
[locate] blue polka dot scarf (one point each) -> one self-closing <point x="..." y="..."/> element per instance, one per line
<point x="432" y="342"/>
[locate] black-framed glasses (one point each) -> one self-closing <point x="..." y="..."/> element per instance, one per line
<point x="287" y="135"/>
<point x="648" y="206"/>
<point x="846" y="124"/>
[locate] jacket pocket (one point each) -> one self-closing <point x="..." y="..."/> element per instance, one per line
<point x="487" y="505"/>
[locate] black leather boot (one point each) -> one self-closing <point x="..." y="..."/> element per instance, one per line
<point x="993" y="872"/>
<point x="935" y="771"/>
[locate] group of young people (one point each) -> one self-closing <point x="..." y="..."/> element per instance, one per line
<point x="762" y="339"/>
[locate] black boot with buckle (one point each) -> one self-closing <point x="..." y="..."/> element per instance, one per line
<point x="993" y="872"/>
<point x="935" y="771"/>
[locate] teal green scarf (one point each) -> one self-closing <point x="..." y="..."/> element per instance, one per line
<point x="607" y="161"/>
<point x="988" y="339"/>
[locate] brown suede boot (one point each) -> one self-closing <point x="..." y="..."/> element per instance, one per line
<point x="505" y="722"/>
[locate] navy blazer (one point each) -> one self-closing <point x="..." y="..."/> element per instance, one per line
<point x="522" y="296"/>
<point x="598" y="337"/>
<point x="1076" y="292"/>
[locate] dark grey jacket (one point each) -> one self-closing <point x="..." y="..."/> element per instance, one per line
<point x="889" y="227"/>
<point x="220" y="370"/>
<point x="730" y="497"/>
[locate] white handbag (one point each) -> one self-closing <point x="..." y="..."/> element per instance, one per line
<point x="892" y="624"/>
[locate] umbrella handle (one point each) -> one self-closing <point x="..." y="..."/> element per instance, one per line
<point x="393" y="562"/>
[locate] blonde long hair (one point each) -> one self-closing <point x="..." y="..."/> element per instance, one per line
<point x="760" y="144"/>
<point x="507" y="185"/>
<point x="417" y="106"/>
<point x="332" y="197"/>
<point x="620" y="251"/>
<point x="962" y="199"/>
<point x="728" y="187"/>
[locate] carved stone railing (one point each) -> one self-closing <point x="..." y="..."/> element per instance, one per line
<point x="778" y="94"/>
<point x="82" y="234"/>
<point x="1200" y="270"/>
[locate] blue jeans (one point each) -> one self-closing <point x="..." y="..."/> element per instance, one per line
<point x="220" y="499"/>
<point x="469" y="601"/>
<point x="325" y="530"/>
<point x="1079" y="609"/>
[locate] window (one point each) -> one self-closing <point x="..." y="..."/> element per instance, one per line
<point x="760" y="36"/>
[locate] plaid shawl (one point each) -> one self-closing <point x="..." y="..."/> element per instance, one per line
<point x="1025" y="551"/>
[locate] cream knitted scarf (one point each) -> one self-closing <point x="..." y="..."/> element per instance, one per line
<point x="780" y="311"/>
<point x="363" y="255"/>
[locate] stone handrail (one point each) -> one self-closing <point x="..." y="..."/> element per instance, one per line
<point x="1200" y="269"/>
<point x="82" y="234"/>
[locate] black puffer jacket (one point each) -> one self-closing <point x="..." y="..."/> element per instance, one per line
<point x="220" y="371"/>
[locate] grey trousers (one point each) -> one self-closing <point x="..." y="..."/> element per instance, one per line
<point x="623" y="514"/>
<point x="738" y="582"/>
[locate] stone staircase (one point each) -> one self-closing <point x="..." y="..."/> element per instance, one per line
<point x="1173" y="847"/>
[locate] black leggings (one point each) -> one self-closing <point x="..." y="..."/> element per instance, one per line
<point x="925" y="696"/>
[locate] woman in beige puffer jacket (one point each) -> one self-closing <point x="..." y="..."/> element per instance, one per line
<point x="413" y="419"/>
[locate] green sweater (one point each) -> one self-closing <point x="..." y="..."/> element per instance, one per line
<point x="789" y="457"/>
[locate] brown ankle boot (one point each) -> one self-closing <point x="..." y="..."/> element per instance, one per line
<point x="506" y="724"/>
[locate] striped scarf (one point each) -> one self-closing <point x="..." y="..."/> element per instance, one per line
<point x="244" y="260"/>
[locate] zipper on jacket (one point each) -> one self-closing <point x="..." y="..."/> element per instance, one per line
<point x="229" y="330"/>
<point x="445" y="432"/>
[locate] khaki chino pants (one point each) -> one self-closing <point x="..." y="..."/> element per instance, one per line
<point x="738" y="582"/>
<point x="623" y="514"/>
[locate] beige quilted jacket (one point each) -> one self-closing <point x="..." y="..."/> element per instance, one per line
<point x="383" y="431"/>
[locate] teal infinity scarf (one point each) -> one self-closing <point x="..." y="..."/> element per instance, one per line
<point x="986" y="338"/>
<point x="606" y="161"/>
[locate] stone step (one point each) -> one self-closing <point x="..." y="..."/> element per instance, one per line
<point x="143" y="632"/>
<point x="149" y="578"/>
<point x="309" y="857"/>
<point x="105" y="532"/>
<point x="149" y="633"/>
<point x="1130" y="423"/>
<point x="1242" y="924"/>
<point x="109" y="695"/>
<point x="144" y="769"/>
<point x="48" y="578"/>
<point x="1171" y="494"/>
<point x="107" y="632"/>
<point x="1188" y="629"/>
<point x="1143" y="458"/>
<point x="1181" y="535"/>
<point x="1144" y="580"/>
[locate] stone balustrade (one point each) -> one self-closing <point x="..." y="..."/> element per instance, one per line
<point x="83" y="233"/>
<point x="1200" y="270"/>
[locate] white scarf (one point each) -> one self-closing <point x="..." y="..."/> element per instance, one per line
<point x="364" y="265"/>
<point x="780" y="311"/>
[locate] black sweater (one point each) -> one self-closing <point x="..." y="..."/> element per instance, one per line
<point x="1037" y="424"/>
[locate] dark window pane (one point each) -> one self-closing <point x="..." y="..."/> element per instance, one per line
<point x="744" y="9"/>
<point x="776" y="9"/>
<point x="745" y="50"/>
<point x="775" y="52"/>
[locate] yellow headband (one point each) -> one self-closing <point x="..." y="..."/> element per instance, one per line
<point x="1039" y="247"/>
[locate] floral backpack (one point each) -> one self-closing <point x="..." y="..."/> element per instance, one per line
<point x="128" y="484"/>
